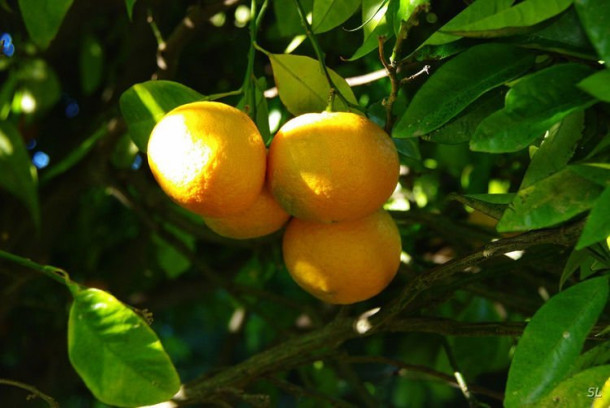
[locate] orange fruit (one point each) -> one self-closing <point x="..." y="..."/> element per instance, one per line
<point x="344" y="262"/>
<point x="208" y="157"/>
<point x="332" y="166"/>
<point x="262" y="218"/>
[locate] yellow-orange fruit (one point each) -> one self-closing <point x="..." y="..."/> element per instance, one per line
<point x="332" y="166"/>
<point x="262" y="218"/>
<point x="344" y="262"/>
<point x="208" y="157"/>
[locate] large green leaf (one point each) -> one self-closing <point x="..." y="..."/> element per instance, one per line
<point x="144" y="104"/>
<point x="328" y="14"/>
<point x="375" y="25"/>
<point x="287" y="16"/>
<point x="478" y="10"/>
<point x="594" y="15"/>
<point x="43" y="18"/>
<point x="458" y="83"/>
<point x="556" y="150"/>
<point x="303" y="87"/>
<point x="549" y="202"/>
<point x="18" y="175"/>
<point x="597" y="227"/>
<point x="552" y="341"/>
<point x="577" y="391"/>
<point x="512" y="20"/>
<point x="533" y="105"/>
<point x="116" y="353"/>
<point x="597" y="85"/>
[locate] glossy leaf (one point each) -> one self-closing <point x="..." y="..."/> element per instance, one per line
<point x="328" y="14"/>
<point x="144" y="104"/>
<point x="597" y="227"/>
<point x="461" y="81"/>
<point x="549" y="202"/>
<point x="287" y="16"/>
<point x="476" y="11"/>
<point x="533" y="105"/>
<point x="556" y="150"/>
<point x="597" y="85"/>
<point x="461" y="128"/>
<point x="18" y="173"/>
<point x="129" y="5"/>
<point x="91" y="64"/>
<point x="375" y="25"/>
<point x="43" y="18"/>
<point x="594" y="17"/>
<point x="512" y="20"/>
<point x="116" y="353"/>
<point x="552" y="341"/>
<point x="303" y="87"/>
<point x="577" y="391"/>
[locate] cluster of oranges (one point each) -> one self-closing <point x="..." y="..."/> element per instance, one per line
<point x="326" y="176"/>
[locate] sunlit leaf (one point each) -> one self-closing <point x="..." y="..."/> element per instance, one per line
<point x="144" y="104"/>
<point x="512" y="20"/>
<point x="403" y="10"/>
<point x="43" y="18"/>
<point x="552" y="341"/>
<point x="577" y="391"/>
<point x="18" y="173"/>
<point x="116" y="353"/>
<point x="375" y="25"/>
<point x="303" y="87"/>
<point x="461" y="81"/>
<point x="328" y="14"/>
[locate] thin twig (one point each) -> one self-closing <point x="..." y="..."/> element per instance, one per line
<point x="35" y="391"/>
<point x="301" y="392"/>
<point x="459" y="377"/>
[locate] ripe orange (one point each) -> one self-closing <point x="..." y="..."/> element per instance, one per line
<point x="208" y="157"/>
<point x="344" y="262"/>
<point x="262" y="218"/>
<point x="332" y="166"/>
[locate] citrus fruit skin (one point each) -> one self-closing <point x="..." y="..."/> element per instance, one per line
<point x="262" y="218"/>
<point x="344" y="262"/>
<point x="332" y="166"/>
<point x="208" y="157"/>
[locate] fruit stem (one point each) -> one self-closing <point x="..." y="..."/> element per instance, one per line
<point x="247" y="88"/>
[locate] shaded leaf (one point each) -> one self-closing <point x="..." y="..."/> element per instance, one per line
<point x="91" y="64"/>
<point x="597" y="85"/>
<point x="129" y="5"/>
<point x="303" y="87"/>
<point x="594" y="15"/>
<point x="144" y="104"/>
<point x="18" y="173"/>
<point x="38" y="88"/>
<point x="461" y="81"/>
<point x="549" y="202"/>
<point x="556" y="150"/>
<point x="116" y="353"/>
<point x="533" y="105"/>
<point x="598" y="355"/>
<point x="287" y="16"/>
<point x="574" y="262"/>
<point x="577" y="391"/>
<point x="597" y="227"/>
<point x="512" y="20"/>
<point x="328" y="14"/>
<point x="492" y="205"/>
<point x="553" y="340"/>
<point x="598" y="173"/>
<point x="43" y="18"/>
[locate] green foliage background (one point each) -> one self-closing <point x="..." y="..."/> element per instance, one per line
<point x="499" y="110"/>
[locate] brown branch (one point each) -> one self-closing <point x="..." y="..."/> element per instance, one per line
<point x="301" y="392"/>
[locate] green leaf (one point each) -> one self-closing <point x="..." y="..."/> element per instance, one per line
<point x="303" y="87"/>
<point x="574" y="262"/>
<point x="597" y="227"/>
<point x="461" y="128"/>
<point x="512" y="20"/>
<point x="556" y="150"/>
<point x="18" y="173"/>
<point x="43" y="18"/>
<point x="408" y="148"/>
<point x="116" y="353"/>
<point x="594" y="16"/>
<point x="129" y="5"/>
<point x="597" y="85"/>
<point x="474" y="12"/>
<point x="549" y="202"/>
<point x="601" y="395"/>
<point x="91" y="64"/>
<point x="492" y="205"/>
<point x="328" y="14"/>
<point x="144" y="104"/>
<point x="287" y="16"/>
<point x="553" y="340"/>
<point x="577" y="391"/>
<point x="458" y="83"/>
<point x="404" y="10"/>
<point x="533" y="105"/>
<point x="375" y="25"/>
<point x="598" y="355"/>
<point x="598" y="173"/>
<point x="38" y="88"/>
